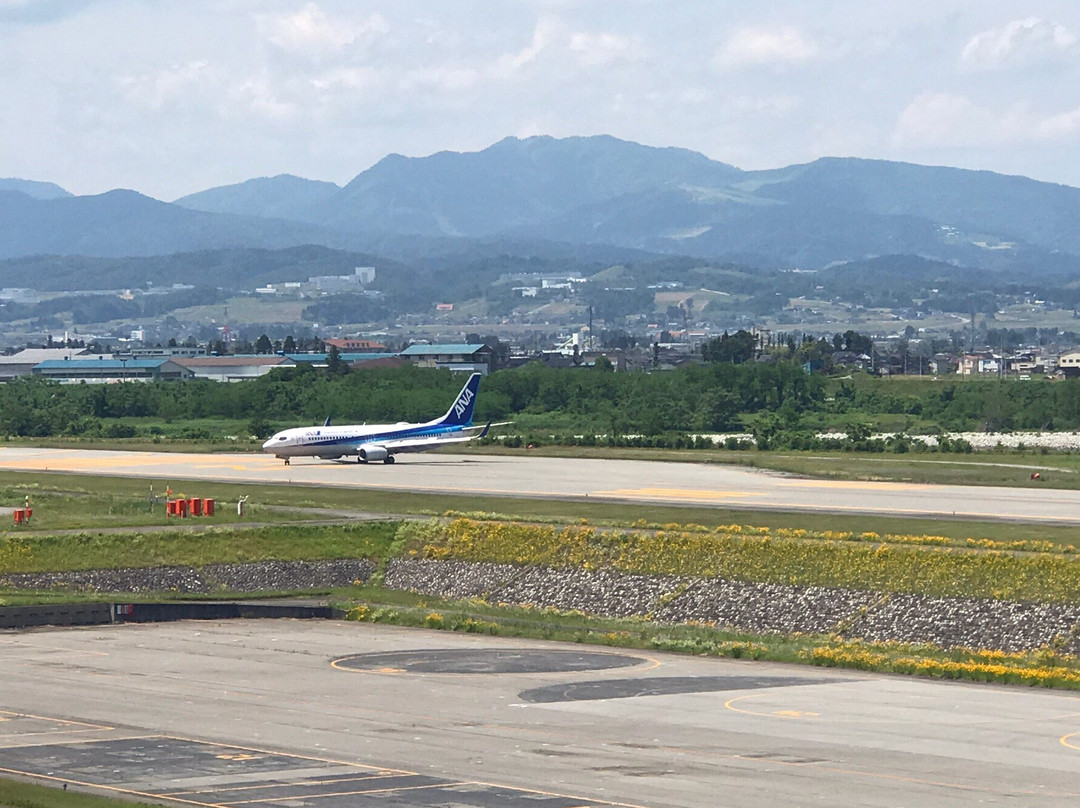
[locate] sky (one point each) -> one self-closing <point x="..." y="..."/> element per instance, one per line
<point x="169" y="97"/>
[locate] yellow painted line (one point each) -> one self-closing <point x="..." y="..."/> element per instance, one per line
<point x="52" y="741"/>
<point x="351" y="763"/>
<point x="857" y="485"/>
<point x="49" y="733"/>
<point x="291" y="783"/>
<point x="55" y="720"/>
<point x="590" y="803"/>
<point x="35" y="647"/>
<point x="677" y="493"/>
<point x="870" y="775"/>
<point x="1066" y="741"/>
<point x="321" y="795"/>
<point x="729" y="705"/>
<point x="117" y="789"/>
<point x="382" y="772"/>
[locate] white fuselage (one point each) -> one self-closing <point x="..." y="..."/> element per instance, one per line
<point x="343" y="441"/>
<point x="381" y="441"/>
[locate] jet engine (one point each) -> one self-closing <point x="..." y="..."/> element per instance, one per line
<point x="374" y="453"/>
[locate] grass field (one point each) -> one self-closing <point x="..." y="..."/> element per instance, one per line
<point x="78" y="502"/>
<point x="18" y="794"/>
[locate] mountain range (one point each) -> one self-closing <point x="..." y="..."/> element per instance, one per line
<point x="533" y="195"/>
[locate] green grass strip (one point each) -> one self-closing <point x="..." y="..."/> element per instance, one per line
<point x="17" y="794"/>
<point x="225" y="545"/>
<point x="84" y="502"/>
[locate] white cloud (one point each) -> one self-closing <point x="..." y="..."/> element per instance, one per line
<point x="946" y="120"/>
<point x="311" y="31"/>
<point x="603" y="48"/>
<point x="775" y="106"/>
<point x="155" y="90"/>
<point x="543" y="34"/>
<point x="441" y="77"/>
<point x="1062" y="126"/>
<point x="1019" y="43"/>
<point x="351" y="78"/>
<point x="757" y="46"/>
<point x="259" y="96"/>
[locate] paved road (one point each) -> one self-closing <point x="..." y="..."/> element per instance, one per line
<point x="257" y="713"/>
<point x="605" y="480"/>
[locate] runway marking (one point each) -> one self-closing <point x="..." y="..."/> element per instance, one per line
<point x="872" y="775"/>
<point x="776" y="714"/>
<point x="307" y="781"/>
<point x="1066" y="741"/>
<point x="48" y="732"/>
<point x="117" y="789"/>
<point x="54" y="720"/>
<point x="321" y="795"/>
<point x="677" y="493"/>
<point x="304" y="788"/>
<point x="38" y="646"/>
<point x="858" y="485"/>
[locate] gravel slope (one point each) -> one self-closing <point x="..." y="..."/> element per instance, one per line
<point x="753" y="607"/>
<point x="762" y="608"/>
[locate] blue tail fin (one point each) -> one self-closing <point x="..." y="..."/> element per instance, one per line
<point x="460" y="413"/>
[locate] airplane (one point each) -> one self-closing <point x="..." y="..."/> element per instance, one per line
<point x="373" y="442"/>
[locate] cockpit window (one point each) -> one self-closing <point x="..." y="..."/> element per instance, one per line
<point x="282" y="438"/>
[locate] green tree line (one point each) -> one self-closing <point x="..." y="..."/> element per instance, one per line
<point x="714" y="397"/>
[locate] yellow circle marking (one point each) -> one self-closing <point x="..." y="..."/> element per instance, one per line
<point x="1067" y="740"/>
<point x="730" y="705"/>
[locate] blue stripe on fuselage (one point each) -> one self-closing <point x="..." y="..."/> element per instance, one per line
<point x="360" y="440"/>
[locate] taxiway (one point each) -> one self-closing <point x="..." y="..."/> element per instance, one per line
<point x="330" y="714"/>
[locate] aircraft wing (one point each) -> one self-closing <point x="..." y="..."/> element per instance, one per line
<point x="424" y="444"/>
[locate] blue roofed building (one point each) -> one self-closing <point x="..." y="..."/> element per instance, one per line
<point x="103" y="370"/>
<point x="319" y="359"/>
